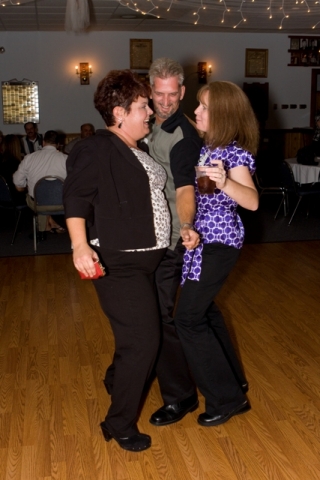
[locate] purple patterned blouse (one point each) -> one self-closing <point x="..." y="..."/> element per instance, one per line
<point x="217" y="220"/>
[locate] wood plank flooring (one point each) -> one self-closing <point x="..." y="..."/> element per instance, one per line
<point x="55" y="345"/>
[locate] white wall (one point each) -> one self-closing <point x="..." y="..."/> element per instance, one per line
<point x="50" y="58"/>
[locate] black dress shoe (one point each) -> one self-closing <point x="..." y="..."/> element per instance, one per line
<point x="134" y="443"/>
<point x="245" y="387"/>
<point x="174" y="412"/>
<point x="108" y="387"/>
<point x="207" y="420"/>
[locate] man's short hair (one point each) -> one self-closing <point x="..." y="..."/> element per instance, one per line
<point x="51" y="137"/>
<point x="166" y="68"/>
<point x="35" y="125"/>
<point x="87" y="125"/>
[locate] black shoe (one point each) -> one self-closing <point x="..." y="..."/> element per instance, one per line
<point x="174" y="412"/>
<point x="134" y="443"/>
<point x="244" y="387"/>
<point x="108" y="387"/>
<point x="207" y="420"/>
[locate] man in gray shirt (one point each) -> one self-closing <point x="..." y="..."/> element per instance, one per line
<point x="175" y="144"/>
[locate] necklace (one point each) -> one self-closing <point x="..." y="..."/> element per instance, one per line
<point x="203" y="158"/>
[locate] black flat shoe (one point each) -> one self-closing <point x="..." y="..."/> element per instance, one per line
<point x="174" y="412"/>
<point x="134" y="443"/>
<point x="207" y="420"/>
<point x="108" y="387"/>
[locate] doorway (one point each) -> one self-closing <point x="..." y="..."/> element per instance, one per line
<point x="315" y="95"/>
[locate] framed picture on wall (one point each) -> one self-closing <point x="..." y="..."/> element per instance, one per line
<point x="140" y="53"/>
<point x="295" y="43"/>
<point x="256" y="62"/>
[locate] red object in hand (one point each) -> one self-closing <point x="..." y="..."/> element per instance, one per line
<point x="100" y="272"/>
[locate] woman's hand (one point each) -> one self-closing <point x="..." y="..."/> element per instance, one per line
<point x="217" y="173"/>
<point x="83" y="255"/>
<point x="237" y="184"/>
<point x="84" y="258"/>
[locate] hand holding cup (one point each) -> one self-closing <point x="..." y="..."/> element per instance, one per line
<point x="217" y="173"/>
<point x="210" y="177"/>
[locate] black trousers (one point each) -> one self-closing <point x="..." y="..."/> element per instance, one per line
<point x="127" y="296"/>
<point x="204" y="335"/>
<point x="172" y="369"/>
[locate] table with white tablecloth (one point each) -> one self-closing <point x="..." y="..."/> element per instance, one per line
<point x="304" y="173"/>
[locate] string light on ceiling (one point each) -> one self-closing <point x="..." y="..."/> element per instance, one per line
<point x="232" y="13"/>
<point x="134" y="6"/>
<point x="226" y="9"/>
<point x="14" y="3"/>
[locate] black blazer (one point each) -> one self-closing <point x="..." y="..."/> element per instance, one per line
<point x="107" y="185"/>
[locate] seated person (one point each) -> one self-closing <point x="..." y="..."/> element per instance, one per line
<point x="33" y="140"/>
<point x="48" y="161"/>
<point x="86" y="131"/>
<point x="10" y="159"/>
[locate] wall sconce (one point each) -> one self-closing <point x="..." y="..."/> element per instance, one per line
<point x="84" y="71"/>
<point x="202" y="72"/>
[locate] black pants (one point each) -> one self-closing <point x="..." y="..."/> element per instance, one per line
<point x="204" y="335"/>
<point x="128" y="298"/>
<point x="172" y="370"/>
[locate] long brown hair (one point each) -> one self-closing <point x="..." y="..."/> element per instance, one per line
<point x="12" y="145"/>
<point x="230" y="117"/>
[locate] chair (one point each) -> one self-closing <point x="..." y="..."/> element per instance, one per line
<point x="300" y="190"/>
<point x="271" y="190"/>
<point x="7" y="202"/>
<point x="48" y="196"/>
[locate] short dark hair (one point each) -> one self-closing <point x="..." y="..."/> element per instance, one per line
<point x="35" y="125"/>
<point x="87" y="125"/>
<point x="119" y="88"/>
<point x="51" y="137"/>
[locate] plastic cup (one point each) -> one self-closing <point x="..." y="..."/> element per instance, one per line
<point x="205" y="185"/>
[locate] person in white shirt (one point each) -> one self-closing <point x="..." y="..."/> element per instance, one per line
<point x="48" y="161"/>
<point x="33" y="140"/>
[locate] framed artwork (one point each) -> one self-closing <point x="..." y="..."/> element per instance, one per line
<point x="20" y="101"/>
<point x="304" y="43"/>
<point x="256" y="62"/>
<point x="295" y="43"/>
<point x="140" y="54"/>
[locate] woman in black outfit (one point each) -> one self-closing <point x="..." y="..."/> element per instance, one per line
<point x="116" y="189"/>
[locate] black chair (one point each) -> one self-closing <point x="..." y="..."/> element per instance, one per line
<point x="294" y="188"/>
<point x="7" y="203"/>
<point x="269" y="189"/>
<point x="47" y="195"/>
<point x="267" y="176"/>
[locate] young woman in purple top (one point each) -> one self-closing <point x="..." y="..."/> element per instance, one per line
<point x="231" y="136"/>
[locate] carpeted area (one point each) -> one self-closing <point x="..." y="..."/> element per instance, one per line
<point x="260" y="227"/>
<point x="23" y="244"/>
